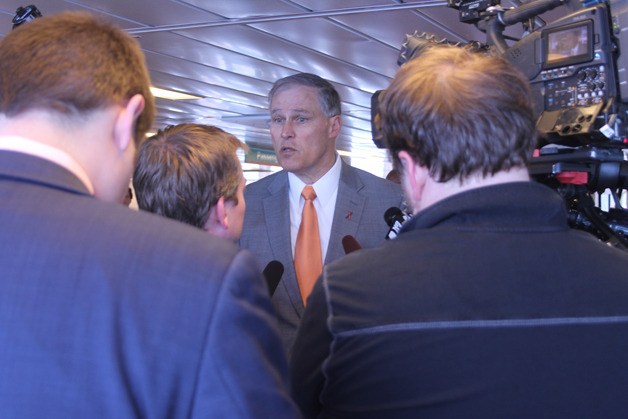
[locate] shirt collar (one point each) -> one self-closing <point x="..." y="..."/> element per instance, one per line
<point x="325" y="187"/>
<point x="46" y="152"/>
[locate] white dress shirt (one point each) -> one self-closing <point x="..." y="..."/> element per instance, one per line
<point x="326" y="189"/>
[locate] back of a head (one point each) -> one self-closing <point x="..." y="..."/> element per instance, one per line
<point x="72" y="63"/>
<point x="183" y="170"/>
<point x="459" y="113"/>
<point x="327" y="94"/>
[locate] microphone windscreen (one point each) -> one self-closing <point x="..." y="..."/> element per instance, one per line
<point x="350" y="244"/>
<point x="273" y="273"/>
<point x="392" y="214"/>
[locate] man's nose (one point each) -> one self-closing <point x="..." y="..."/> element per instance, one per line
<point x="287" y="130"/>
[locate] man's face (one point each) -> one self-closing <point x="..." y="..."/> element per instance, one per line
<point x="235" y="212"/>
<point x="304" y="138"/>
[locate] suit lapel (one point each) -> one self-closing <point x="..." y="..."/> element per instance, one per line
<point x="277" y="216"/>
<point x="349" y="208"/>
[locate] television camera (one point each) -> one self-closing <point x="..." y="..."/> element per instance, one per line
<point x="579" y="81"/>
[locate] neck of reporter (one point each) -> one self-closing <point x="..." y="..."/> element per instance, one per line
<point x="433" y="191"/>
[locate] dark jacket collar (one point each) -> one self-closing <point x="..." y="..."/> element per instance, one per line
<point x="516" y="205"/>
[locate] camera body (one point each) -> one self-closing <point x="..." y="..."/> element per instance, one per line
<point x="571" y="65"/>
<point x="578" y="76"/>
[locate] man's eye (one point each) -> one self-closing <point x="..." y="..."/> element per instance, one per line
<point x="301" y="119"/>
<point x="277" y="120"/>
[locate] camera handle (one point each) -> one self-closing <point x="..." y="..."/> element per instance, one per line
<point x="494" y="25"/>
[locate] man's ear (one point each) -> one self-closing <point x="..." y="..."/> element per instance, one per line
<point x="335" y="126"/>
<point x="218" y="222"/>
<point x="413" y="179"/>
<point x="124" y="129"/>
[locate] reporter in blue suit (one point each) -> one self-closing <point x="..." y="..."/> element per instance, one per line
<point x="305" y="122"/>
<point x="106" y="311"/>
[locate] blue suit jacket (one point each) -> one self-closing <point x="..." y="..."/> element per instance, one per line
<point x="362" y="200"/>
<point x="109" y="312"/>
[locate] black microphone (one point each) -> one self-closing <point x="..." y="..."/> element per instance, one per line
<point x="350" y="244"/>
<point x="395" y="218"/>
<point x="272" y="273"/>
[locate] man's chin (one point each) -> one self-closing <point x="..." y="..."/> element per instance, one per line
<point x="289" y="164"/>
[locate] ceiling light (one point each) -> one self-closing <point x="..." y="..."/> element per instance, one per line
<point x="171" y="94"/>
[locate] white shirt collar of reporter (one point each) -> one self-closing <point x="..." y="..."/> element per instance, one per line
<point x="46" y="152"/>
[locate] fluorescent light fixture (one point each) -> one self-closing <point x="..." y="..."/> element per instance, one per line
<point x="171" y="94"/>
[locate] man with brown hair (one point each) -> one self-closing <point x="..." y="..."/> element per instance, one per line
<point x="105" y="311"/>
<point x="191" y="173"/>
<point x="486" y="305"/>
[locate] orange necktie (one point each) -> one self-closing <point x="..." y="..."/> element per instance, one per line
<point x="308" y="260"/>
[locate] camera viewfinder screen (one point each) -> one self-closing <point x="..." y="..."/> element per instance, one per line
<point x="569" y="45"/>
